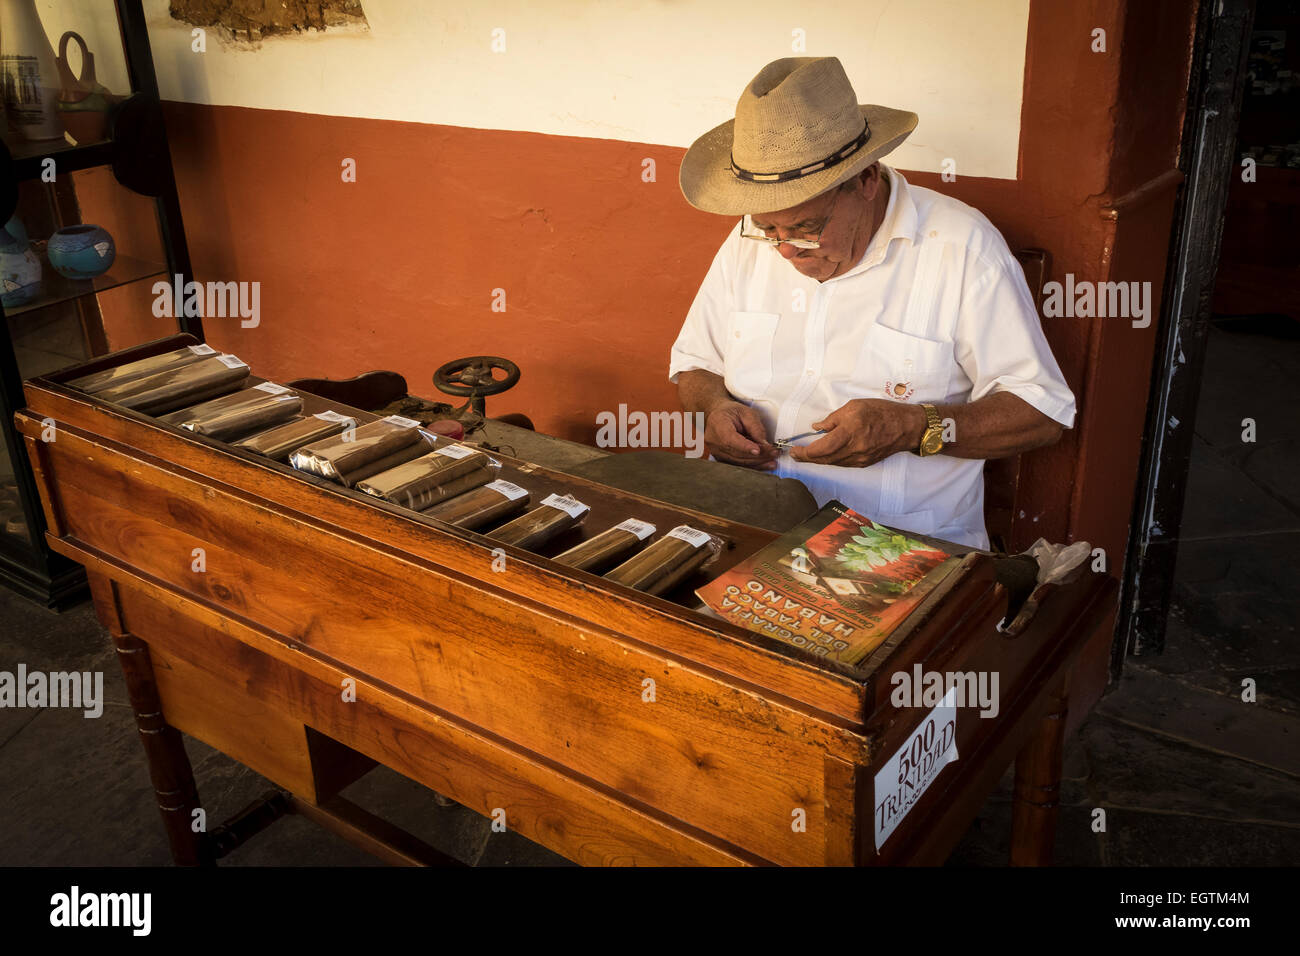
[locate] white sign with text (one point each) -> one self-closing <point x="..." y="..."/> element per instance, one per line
<point x="914" y="766"/>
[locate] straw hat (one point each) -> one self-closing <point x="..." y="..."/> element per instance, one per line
<point x="798" y="131"/>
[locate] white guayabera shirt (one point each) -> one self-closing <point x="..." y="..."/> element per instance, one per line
<point x="937" y="311"/>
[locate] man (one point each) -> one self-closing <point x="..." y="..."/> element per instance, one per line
<point x="890" y="317"/>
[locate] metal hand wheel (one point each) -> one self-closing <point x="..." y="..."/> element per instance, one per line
<point x="473" y="378"/>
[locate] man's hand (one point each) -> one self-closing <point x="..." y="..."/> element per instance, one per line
<point x="735" y="434"/>
<point x="733" y="431"/>
<point x="863" y="432"/>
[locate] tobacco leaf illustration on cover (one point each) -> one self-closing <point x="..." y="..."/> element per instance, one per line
<point x="867" y="563"/>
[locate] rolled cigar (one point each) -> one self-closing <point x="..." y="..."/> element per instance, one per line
<point x="190" y="413"/>
<point x="467" y="482"/>
<point x="556" y="514"/>
<point x="167" y="391"/>
<point x="140" y="368"/>
<point x="399" y="457"/>
<point x="249" y="418"/>
<point x="609" y="547"/>
<point x="434" y="494"/>
<point x="217" y="406"/>
<point x="415" y="483"/>
<point x="494" y="501"/>
<point x="238" y="413"/>
<point x="680" y="574"/>
<point x="276" y="443"/>
<point x="668" y="561"/>
<point x="353" y="454"/>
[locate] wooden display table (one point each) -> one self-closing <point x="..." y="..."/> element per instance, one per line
<point x="329" y="631"/>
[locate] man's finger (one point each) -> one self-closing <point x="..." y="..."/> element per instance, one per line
<point x="738" y="448"/>
<point x="823" y="448"/>
<point x="747" y="462"/>
<point x="736" y="445"/>
<point x="756" y="431"/>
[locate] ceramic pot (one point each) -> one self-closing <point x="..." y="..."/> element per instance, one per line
<point x="20" y="276"/>
<point x="81" y="252"/>
<point x="14" y="231"/>
<point x="20" y="266"/>
<point x="29" y="72"/>
<point x="84" y="103"/>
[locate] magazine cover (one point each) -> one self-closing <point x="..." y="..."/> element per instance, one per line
<point x="837" y="584"/>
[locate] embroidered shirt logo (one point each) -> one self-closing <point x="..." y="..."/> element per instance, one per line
<point x="899" y="391"/>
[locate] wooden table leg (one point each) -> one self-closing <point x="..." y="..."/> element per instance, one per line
<point x="1038" y="788"/>
<point x="169" y="767"/>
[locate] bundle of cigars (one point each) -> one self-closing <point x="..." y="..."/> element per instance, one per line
<point x="394" y="459"/>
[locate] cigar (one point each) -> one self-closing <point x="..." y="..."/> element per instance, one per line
<point x="238" y="413"/>
<point x="555" y="515"/>
<point x="415" y="484"/>
<point x="140" y="368"/>
<point x="668" y="561"/>
<point x="495" y="500"/>
<point x="354" y="455"/>
<point x="427" y="496"/>
<point x="399" y="457"/>
<point x="276" y="443"/>
<point x="607" y="548"/>
<point x="167" y="391"/>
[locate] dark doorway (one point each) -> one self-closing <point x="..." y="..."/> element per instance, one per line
<point x="1211" y="582"/>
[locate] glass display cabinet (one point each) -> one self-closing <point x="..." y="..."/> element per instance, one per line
<point x="91" y="225"/>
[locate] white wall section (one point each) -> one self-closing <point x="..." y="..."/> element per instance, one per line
<point x="652" y="71"/>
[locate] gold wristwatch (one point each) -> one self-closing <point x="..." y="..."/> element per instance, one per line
<point x="932" y="437"/>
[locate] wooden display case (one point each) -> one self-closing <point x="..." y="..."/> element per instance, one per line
<point x="328" y="631"/>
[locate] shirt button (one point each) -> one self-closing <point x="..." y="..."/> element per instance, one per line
<point x="933" y="233"/>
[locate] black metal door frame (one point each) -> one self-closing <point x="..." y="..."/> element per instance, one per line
<point x="1208" y="158"/>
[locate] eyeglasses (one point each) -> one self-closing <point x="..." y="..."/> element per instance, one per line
<point x="796" y="243"/>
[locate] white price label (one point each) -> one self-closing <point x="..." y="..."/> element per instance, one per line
<point x="203" y="350"/>
<point x="914" y="766"/>
<point x="455" y="451"/>
<point x="512" y="491"/>
<point x="642" y="529"/>
<point x="334" y="417"/>
<point x="688" y="534"/>
<point x="569" y="505"/>
<point x="272" y="388"/>
<point x="399" y="420"/>
<point x="232" y="361"/>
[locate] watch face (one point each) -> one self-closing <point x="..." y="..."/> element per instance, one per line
<point x="932" y="443"/>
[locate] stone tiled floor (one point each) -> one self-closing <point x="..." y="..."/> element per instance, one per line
<point x="1186" y="772"/>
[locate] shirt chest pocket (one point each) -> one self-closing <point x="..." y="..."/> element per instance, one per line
<point x="902" y="367"/>
<point x="747" y="355"/>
